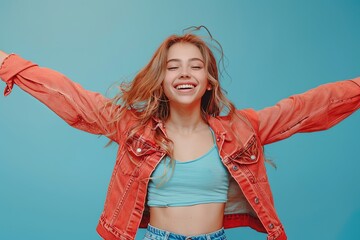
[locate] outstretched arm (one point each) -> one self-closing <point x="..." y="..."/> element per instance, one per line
<point x="315" y="110"/>
<point x="82" y="109"/>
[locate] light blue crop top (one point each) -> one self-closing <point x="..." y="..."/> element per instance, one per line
<point x="202" y="180"/>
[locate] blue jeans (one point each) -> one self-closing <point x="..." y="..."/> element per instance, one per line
<point x="153" y="233"/>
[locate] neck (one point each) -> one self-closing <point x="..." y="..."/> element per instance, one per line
<point x="185" y="120"/>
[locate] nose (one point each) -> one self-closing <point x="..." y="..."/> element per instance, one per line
<point x="184" y="74"/>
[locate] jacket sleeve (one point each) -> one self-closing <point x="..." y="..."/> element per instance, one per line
<point x="315" y="110"/>
<point x="82" y="109"/>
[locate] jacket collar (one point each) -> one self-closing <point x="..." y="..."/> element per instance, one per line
<point x="219" y="129"/>
<point x="215" y="124"/>
<point x="158" y="124"/>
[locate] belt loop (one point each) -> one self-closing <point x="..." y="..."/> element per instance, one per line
<point x="166" y="237"/>
<point x="208" y="237"/>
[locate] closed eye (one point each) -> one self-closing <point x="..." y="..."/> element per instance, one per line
<point x="172" y="68"/>
<point x="196" y="67"/>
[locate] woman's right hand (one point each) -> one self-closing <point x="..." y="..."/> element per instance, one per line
<point x="3" y="55"/>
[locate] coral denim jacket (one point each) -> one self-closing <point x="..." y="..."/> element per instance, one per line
<point x="239" y="139"/>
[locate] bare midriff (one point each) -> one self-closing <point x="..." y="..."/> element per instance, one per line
<point x="189" y="220"/>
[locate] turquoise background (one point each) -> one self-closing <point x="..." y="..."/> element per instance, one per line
<point x="53" y="179"/>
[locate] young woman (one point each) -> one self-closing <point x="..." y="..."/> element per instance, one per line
<point x="184" y="169"/>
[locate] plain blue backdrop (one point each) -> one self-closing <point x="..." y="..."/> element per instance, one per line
<point x="53" y="179"/>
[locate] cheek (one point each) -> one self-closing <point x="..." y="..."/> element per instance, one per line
<point x="202" y="76"/>
<point x="168" y="78"/>
<point x="166" y="87"/>
<point x="205" y="82"/>
<point x="168" y="81"/>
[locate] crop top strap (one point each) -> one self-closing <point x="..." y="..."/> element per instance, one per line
<point x="213" y="135"/>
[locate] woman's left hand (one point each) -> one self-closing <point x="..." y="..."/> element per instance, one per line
<point x="3" y="55"/>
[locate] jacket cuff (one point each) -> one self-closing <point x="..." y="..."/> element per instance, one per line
<point x="11" y="66"/>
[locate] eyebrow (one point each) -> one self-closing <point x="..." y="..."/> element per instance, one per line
<point x="178" y="60"/>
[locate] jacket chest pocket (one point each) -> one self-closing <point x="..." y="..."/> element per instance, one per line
<point x="246" y="161"/>
<point x="249" y="154"/>
<point x="136" y="151"/>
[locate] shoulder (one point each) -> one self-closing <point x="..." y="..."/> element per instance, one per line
<point x="244" y="121"/>
<point x="241" y="116"/>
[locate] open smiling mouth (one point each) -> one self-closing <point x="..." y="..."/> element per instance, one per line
<point x="185" y="86"/>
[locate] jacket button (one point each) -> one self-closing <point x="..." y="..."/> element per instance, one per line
<point x="256" y="200"/>
<point x="218" y="139"/>
<point x="252" y="157"/>
<point x="235" y="168"/>
<point x="138" y="150"/>
<point x="271" y="226"/>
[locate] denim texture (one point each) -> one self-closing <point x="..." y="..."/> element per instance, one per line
<point x="153" y="233"/>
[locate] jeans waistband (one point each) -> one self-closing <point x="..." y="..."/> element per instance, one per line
<point x="159" y="234"/>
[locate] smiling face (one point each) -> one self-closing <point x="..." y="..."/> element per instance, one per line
<point x="185" y="79"/>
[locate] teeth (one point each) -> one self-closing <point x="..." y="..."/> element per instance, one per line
<point x="185" y="86"/>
